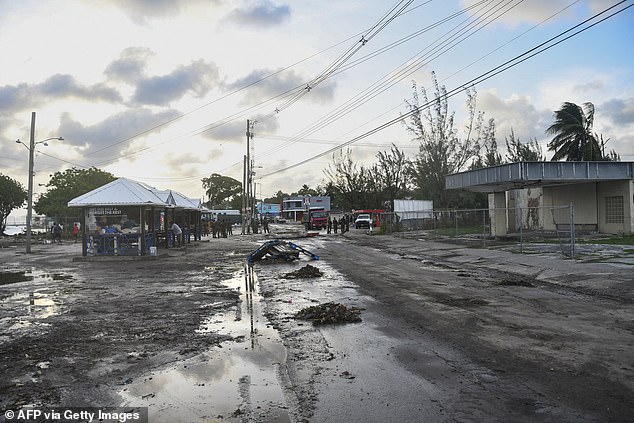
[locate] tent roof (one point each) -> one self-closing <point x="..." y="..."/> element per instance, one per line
<point x="120" y="192"/>
<point x="178" y="200"/>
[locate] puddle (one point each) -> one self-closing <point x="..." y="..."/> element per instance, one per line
<point x="10" y="277"/>
<point x="27" y="298"/>
<point x="235" y="382"/>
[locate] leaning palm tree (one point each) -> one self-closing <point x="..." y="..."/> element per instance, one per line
<point x="574" y="140"/>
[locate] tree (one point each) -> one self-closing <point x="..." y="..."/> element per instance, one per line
<point x="517" y="151"/>
<point x="349" y="181"/>
<point x="441" y="150"/>
<point x="306" y="190"/>
<point x="277" y="198"/>
<point x="391" y="174"/>
<point x="487" y="148"/>
<point x="611" y="156"/>
<point x="573" y="138"/>
<point x="66" y="185"/>
<point x="12" y="196"/>
<point x="222" y="190"/>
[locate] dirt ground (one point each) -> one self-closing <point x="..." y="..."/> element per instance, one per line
<point x="447" y="333"/>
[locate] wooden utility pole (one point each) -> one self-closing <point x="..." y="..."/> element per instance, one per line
<point x="247" y="186"/>
<point x="244" y="195"/>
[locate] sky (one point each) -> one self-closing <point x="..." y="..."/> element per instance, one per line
<point x="160" y="91"/>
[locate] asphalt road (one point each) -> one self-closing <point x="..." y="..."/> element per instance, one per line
<point x="487" y="335"/>
<point x="448" y="334"/>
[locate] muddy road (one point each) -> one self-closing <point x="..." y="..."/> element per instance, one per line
<point x="448" y="334"/>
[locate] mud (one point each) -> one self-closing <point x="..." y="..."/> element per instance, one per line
<point x="448" y="333"/>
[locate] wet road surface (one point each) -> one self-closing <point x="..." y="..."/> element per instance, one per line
<point x="447" y="334"/>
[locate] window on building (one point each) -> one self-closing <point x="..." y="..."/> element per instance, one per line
<point x="614" y="209"/>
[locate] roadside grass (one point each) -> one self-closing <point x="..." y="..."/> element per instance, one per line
<point x="477" y="230"/>
<point x="615" y="240"/>
<point x="460" y="230"/>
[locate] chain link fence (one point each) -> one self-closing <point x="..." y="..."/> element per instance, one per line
<point x="527" y="229"/>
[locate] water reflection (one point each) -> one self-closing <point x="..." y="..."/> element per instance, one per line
<point x="28" y="297"/>
<point x="237" y="382"/>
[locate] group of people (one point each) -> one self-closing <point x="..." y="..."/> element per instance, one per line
<point x="342" y="223"/>
<point x="219" y="228"/>
<point x="57" y="231"/>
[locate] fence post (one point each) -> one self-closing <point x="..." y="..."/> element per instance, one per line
<point x="484" y="228"/>
<point x="572" y="230"/>
<point x="521" y="231"/>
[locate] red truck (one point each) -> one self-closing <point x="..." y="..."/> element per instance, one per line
<point x="315" y="219"/>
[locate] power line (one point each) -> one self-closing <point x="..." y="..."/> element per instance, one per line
<point x="479" y="79"/>
<point x="443" y="44"/>
<point x="399" y="9"/>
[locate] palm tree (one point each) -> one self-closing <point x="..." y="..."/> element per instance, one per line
<point x="574" y="140"/>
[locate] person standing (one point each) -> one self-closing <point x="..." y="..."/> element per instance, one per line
<point x="178" y="232"/>
<point x="335" y="224"/>
<point x="57" y="233"/>
<point x="75" y="231"/>
<point x="329" y="227"/>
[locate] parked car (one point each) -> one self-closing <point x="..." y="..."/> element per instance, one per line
<point x="363" y="221"/>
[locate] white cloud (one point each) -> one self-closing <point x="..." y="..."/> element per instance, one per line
<point x="261" y="14"/>
<point x="111" y="131"/>
<point x="197" y="78"/>
<point x="140" y="11"/>
<point x="536" y="11"/>
<point x="130" y="65"/>
<point x="517" y="113"/>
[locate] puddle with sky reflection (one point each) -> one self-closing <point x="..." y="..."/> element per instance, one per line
<point x="237" y="381"/>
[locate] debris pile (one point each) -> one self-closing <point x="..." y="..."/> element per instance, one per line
<point x="328" y="313"/>
<point x="279" y="250"/>
<point x="307" y="271"/>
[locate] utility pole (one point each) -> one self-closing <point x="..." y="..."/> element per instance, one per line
<point x="249" y="176"/>
<point x="29" y="204"/>
<point x="244" y="195"/>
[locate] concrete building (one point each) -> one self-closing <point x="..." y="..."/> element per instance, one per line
<point x="293" y="208"/>
<point x="268" y="209"/>
<point x="526" y="193"/>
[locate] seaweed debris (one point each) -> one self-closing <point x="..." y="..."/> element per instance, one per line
<point x="307" y="271"/>
<point x="329" y="313"/>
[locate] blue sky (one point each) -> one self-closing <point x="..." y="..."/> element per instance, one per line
<point x="160" y="91"/>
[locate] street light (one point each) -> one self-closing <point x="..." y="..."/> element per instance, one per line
<point x="29" y="203"/>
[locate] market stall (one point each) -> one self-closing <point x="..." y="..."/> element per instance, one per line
<point x="125" y="217"/>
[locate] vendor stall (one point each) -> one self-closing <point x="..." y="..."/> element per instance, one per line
<point x="125" y="217"/>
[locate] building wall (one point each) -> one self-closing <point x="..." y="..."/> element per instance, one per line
<point x="526" y="209"/>
<point x="612" y="194"/>
<point x="583" y="197"/>
<point x="293" y="207"/>
<point x="268" y="209"/>
<point x="498" y="217"/>
<point x="607" y="207"/>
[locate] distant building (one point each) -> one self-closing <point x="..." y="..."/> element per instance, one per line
<point x="269" y="210"/>
<point x="293" y="208"/>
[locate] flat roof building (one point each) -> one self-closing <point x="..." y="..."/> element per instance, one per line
<point x="602" y="193"/>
